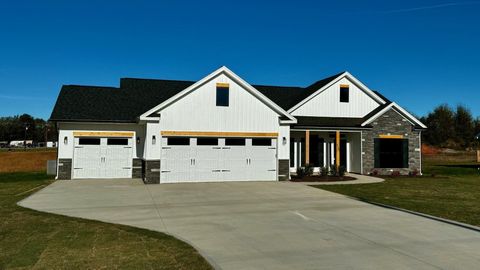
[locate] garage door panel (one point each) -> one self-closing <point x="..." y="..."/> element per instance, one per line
<point x="102" y="160"/>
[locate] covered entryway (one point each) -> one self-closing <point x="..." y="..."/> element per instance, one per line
<point x="212" y="159"/>
<point x="102" y="157"/>
<point x="319" y="149"/>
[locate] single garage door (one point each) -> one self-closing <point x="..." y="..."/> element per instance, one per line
<point x="218" y="159"/>
<point x="102" y="158"/>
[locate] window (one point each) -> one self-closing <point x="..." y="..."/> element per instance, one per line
<point x="178" y="141"/>
<point x="391" y="153"/>
<point x="89" y="141"/>
<point x="234" y="141"/>
<point x="344" y="93"/>
<point x="222" y="94"/>
<point x="262" y="142"/>
<point x="207" y="141"/>
<point x="117" y="141"/>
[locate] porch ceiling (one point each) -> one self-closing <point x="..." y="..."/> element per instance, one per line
<point x="329" y="122"/>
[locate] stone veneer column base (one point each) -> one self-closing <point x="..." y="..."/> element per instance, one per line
<point x="283" y="169"/>
<point x="151" y="171"/>
<point x="64" y="169"/>
<point x="137" y="168"/>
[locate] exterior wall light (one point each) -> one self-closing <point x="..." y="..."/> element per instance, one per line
<point x="65" y="140"/>
<point x="138" y="140"/>
<point x="154" y="139"/>
<point x="284" y="140"/>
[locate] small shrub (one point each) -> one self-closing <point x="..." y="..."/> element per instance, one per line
<point x="308" y="169"/>
<point x="300" y="172"/>
<point x="395" y="173"/>
<point x="324" y="171"/>
<point x="341" y="171"/>
<point x="413" y="173"/>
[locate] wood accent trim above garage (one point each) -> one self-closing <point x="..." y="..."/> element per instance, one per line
<point x="388" y="136"/>
<point x="219" y="134"/>
<point x="103" y="134"/>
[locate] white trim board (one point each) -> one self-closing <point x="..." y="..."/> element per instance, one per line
<point x="394" y="106"/>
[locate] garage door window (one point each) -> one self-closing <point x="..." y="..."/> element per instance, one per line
<point x="89" y="141"/>
<point x="234" y="142"/>
<point x="261" y="142"/>
<point x="117" y="141"/>
<point x="178" y="141"/>
<point x="207" y="141"/>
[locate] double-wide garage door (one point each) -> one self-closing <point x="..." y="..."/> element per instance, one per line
<point x="102" y="157"/>
<point x="218" y="159"/>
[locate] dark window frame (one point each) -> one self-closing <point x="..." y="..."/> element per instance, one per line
<point x="258" y="141"/>
<point x="223" y="96"/>
<point x="234" y="141"/>
<point x="117" y="141"/>
<point x="391" y="153"/>
<point x="89" y="141"/>
<point x="344" y="94"/>
<point x="178" y="141"/>
<point x="207" y="141"/>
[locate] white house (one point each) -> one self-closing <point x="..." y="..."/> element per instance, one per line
<point x="221" y="128"/>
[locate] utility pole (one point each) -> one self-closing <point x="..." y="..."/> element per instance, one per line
<point x="25" y="141"/>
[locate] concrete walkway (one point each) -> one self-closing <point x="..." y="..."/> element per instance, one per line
<point x="269" y="225"/>
<point x="361" y="179"/>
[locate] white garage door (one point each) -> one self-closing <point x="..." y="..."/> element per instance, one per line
<point x="102" y="158"/>
<point x="218" y="159"/>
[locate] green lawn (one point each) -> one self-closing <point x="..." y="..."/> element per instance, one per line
<point x="31" y="239"/>
<point x="454" y="192"/>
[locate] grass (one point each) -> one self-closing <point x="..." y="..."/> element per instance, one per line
<point x="25" y="161"/>
<point x="454" y="192"/>
<point x="31" y="239"/>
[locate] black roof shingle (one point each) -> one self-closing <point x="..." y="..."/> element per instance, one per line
<point x="136" y="96"/>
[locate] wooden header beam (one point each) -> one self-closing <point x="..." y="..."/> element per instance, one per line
<point x="219" y="134"/>
<point x="307" y="147"/>
<point x="103" y="134"/>
<point x="337" y="150"/>
<point x="386" y="136"/>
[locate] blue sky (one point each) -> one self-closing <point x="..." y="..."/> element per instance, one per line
<point x="417" y="53"/>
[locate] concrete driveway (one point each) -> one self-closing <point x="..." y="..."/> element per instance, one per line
<point x="269" y="225"/>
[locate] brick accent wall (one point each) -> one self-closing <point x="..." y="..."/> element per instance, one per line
<point x="137" y="169"/>
<point x="283" y="169"/>
<point x="151" y="171"/>
<point x="64" y="169"/>
<point x="393" y="123"/>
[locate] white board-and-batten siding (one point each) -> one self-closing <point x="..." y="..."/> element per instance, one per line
<point x="327" y="103"/>
<point x="197" y="111"/>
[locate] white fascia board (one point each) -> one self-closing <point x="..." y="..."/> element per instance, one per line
<point x="206" y="79"/>
<point x="341" y="76"/>
<point x="397" y="107"/>
<point x="289" y="121"/>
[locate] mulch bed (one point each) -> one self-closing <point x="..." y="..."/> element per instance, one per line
<point x="317" y="178"/>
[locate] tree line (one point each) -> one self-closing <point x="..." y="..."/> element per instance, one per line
<point x="451" y="128"/>
<point x="25" y="127"/>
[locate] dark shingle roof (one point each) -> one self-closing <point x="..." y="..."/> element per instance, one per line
<point x="310" y="121"/>
<point x="136" y="96"/>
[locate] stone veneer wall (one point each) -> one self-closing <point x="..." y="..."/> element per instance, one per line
<point x="392" y="123"/>
<point x="283" y="169"/>
<point x="151" y="171"/>
<point x="64" y="169"/>
<point x="137" y="169"/>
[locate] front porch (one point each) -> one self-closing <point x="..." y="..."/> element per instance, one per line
<point x="326" y="149"/>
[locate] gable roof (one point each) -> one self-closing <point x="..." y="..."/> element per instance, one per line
<point x="134" y="97"/>
<point x="285" y="116"/>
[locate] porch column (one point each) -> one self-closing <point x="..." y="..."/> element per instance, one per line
<point x="337" y="150"/>
<point x="307" y="147"/>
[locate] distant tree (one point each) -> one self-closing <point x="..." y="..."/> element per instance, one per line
<point x="441" y="126"/>
<point x="14" y="128"/>
<point x="464" y="127"/>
